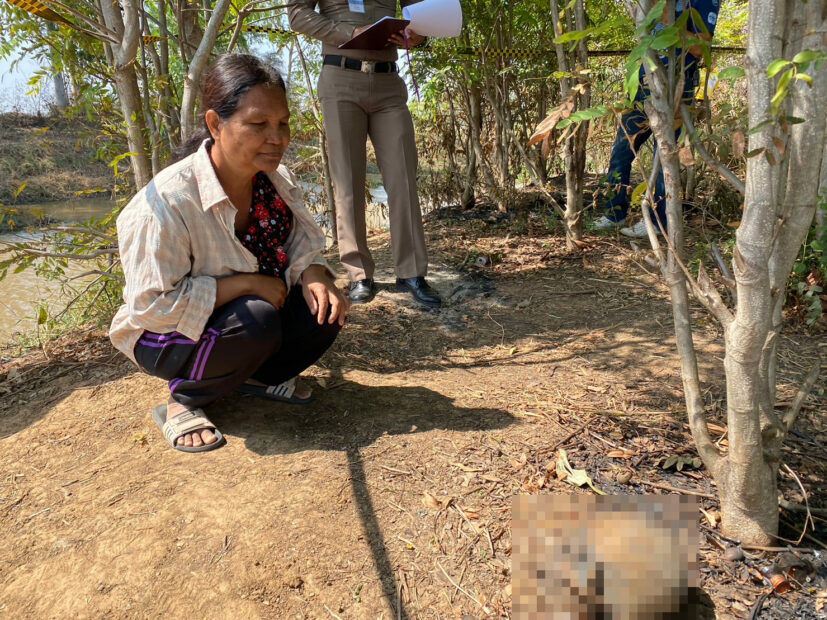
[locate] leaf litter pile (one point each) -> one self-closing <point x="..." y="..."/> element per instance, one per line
<point x="390" y="496"/>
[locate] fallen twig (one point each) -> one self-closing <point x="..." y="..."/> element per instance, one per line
<point x="794" y="507"/>
<point x="666" y="487"/>
<point x="463" y="590"/>
<point x="803" y="392"/>
<point x="569" y="436"/>
<point x="757" y="606"/>
<point x="809" y="517"/>
<point x="331" y="613"/>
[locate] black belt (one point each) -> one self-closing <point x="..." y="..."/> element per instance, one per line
<point x="365" y="66"/>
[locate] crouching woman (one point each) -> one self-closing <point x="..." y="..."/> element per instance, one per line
<point x="226" y="286"/>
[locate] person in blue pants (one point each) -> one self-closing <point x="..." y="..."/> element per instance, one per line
<point x="634" y="128"/>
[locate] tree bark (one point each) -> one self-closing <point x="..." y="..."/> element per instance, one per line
<point x="61" y="97"/>
<point x="123" y="56"/>
<point x="327" y="180"/>
<point x="574" y="149"/>
<point x="660" y="111"/>
<point x="197" y="66"/>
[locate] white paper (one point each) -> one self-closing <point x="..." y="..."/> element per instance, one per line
<point x="438" y="19"/>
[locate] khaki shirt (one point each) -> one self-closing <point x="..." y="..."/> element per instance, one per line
<point x="334" y="24"/>
<point x="177" y="237"/>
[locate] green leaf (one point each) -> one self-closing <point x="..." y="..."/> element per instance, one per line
<point x="577" y="35"/>
<point x="804" y="78"/>
<point x="760" y="126"/>
<point x="781" y="92"/>
<point x="805" y="57"/>
<point x="731" y="73"/>
<point x="637" y="193"/>
<point x="651" y="64"/>
<point x="632" y="82"/>
<point x="665" y="39"/>
<point x="42" y="316"/>
<point x="775" y="66"/>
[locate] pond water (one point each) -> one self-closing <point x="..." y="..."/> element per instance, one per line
<point x="21" y="293"/>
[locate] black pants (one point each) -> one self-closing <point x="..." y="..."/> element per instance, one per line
<point x="245" y="338"/>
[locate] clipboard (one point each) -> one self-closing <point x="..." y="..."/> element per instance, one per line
<point x="376" y="37"/>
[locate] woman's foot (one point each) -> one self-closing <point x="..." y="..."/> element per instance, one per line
<point x="190" y="440"/>
<point x="302" y="392"/>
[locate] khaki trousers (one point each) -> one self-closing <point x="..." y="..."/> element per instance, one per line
<point x="356" y="105"/>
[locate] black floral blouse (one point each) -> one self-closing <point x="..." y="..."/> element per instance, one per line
<point x="271" y="221"/>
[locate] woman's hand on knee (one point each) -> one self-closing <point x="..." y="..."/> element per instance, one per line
<point x="270" y="289"/>
<point x="321" y="295"/>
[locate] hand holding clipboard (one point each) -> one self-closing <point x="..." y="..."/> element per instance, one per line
<point x="387" y="31"/>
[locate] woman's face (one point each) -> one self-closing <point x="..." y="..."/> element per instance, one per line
<point x="255" y="137"/>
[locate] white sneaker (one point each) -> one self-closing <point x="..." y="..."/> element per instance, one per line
<point x="638" y="231"/>
<point x="604" y="223"/>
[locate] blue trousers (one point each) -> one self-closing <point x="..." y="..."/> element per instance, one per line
<point x="635" y="125"/>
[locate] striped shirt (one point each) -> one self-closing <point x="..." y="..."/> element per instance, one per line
<point x="177" y="237"/>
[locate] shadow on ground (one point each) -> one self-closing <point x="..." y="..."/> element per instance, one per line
<point x="349" y="416"/>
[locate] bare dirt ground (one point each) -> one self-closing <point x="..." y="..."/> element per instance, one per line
<point x="389" y="496"/>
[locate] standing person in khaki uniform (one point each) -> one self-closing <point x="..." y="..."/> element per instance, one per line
<point x="362" y="95"/>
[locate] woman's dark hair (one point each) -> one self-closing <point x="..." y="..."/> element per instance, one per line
<point x="227" y="81"/>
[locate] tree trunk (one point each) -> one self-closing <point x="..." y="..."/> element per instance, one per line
<point x="61" y="98"/>
<point x="475" y="129"/>
<point x="574" y="149"/>
<point x="821" y="211"/>
<point x="189" y="30"/>
<point x="170" y="96"/>
<point x="197" y="66"/>
<point x="317" y="113"/>
<point x="780" y="201"/>
<point x="123" y="56"/>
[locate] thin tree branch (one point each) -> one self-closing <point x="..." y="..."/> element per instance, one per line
<point x="801" y="396"/>
<point x="100" y="30"/>
<point x="725" y="172"/>
<point x="705" y="293"/>
<point x="723" y="267"/>
<point x="93" y="272"/>
<point x="95" y="254"/>
<point x="197" y="66"/>
<point x="527" y="162"/>
<point x="84" y="230"/>
<point x="809" y="517"/>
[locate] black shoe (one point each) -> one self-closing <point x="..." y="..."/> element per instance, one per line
<point x="420" y="290"/>
<point x="362" y="291"/>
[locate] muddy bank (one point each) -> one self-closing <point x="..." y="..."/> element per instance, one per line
<point x="54" y="157"/>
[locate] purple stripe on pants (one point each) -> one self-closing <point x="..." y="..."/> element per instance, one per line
<point x="211" y="343"/>
<point x="154" y="336"/>
<point x="153" y="344"/>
